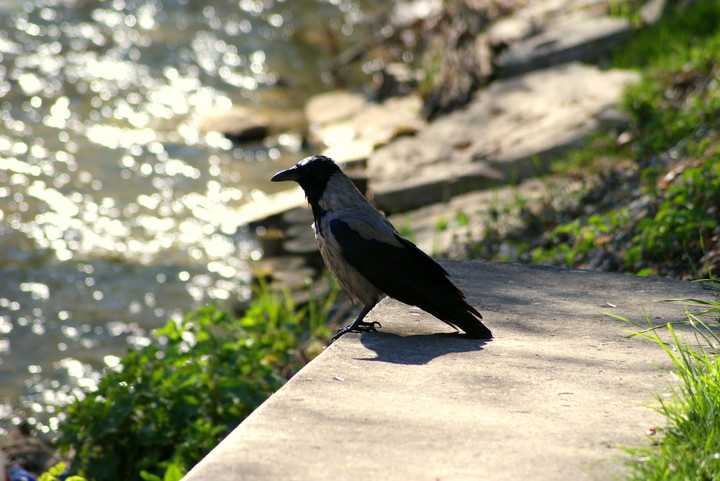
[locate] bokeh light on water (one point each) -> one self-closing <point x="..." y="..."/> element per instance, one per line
<point x="113" y="205"/>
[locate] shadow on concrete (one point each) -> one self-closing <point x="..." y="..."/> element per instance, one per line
<point x="417" y="349"/>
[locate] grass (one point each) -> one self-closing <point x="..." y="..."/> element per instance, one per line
<point x="667" y="45"/>
<point x="689" y="446"/>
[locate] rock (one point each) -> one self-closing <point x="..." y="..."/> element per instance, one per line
<point x="437" y="183"/>
<point x="238" y="123"/>
<point x="243" y="124"/>
<point x="285" y="273"/>
<point x="299" y="215"/>
<point x="306" y="247"/>
<point x="462" y="55"/>
<point x="257" y="211"/>
<point x="292" y="279"/>
<point x="352" y="152"/>
<point x="408" y="12"/>
<point x="271" y="240"/>
<point x="580" y="39"/>
<point x="23" y="448"/>
<point x="505" y="134"/>
<point x="353" y="138"/>
<point x="533" y="17"/>
<point x="553" y="32"/>
<point x="612" y="118"/>
<point x="397" y="79"/>
<point x="302" y="229"/>
<point x="333" y="106"/>
<point x="446" y="228"/>
<point x="302" y="246"/>
<point x="359" y="178"/>
<point x="653" y="11"/>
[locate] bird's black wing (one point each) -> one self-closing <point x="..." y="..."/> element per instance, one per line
<point x="401" y="270"/>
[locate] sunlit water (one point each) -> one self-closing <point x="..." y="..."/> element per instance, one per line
<point x="111" y="200"/>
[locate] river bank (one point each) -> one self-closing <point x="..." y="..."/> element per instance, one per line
<point x="442" y="178"/>
<point x="459" y="220"/>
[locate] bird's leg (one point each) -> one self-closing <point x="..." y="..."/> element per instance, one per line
<point x="358" y="325"/>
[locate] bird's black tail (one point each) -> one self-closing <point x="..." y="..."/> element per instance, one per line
<point x="455" y="310"/>
<point x="441" y="297"/>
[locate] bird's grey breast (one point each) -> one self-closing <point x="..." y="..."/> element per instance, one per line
<point x="351" y="281"/>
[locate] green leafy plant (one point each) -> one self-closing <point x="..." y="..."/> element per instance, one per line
<point x="169" y="403"/>
<point x="685" y="210"/>
<point x="462" y="219"/>
<point x="441" y="224"/>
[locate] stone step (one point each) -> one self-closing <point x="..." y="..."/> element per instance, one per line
<point x="509" y="132"/>
<point x="552" y="32"/>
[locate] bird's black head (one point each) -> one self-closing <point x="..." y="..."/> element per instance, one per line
<point x="312" y="173"/>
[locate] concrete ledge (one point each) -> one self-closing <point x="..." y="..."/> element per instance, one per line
<point x="554" y="396"/>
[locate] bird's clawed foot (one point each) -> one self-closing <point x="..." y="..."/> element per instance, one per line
<point x="358" y="326"/>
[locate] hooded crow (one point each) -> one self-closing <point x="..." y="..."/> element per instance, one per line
<point x="367" y="256"/>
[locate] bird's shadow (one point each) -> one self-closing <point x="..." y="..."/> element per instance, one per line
<point x="417" y="349"/>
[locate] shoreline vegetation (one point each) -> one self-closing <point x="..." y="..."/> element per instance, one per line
<point x="168" y="404"/>
<point x="651" y="208"/>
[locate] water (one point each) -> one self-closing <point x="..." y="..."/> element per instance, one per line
<point x="111" y="200"/>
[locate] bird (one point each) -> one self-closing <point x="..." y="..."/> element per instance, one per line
<point x="367" y="256"/>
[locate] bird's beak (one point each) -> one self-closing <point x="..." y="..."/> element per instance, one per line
<point x="285" y="175"/>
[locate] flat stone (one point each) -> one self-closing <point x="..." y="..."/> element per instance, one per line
<point x="535" y="16"/>
<point x="239" y="123"/>
<point x="352" y="152"/>
<point x="438" y="182"/>
<point x="574" y="38"/>
<point x="556" y="395"/>
<point x="405" y="13"/>
<point x="508" y="132"/>
<point x="653" y="10"/>
<point x="358" y="128"/>
<point x="333" y="106"/>
<point x="446" y="228"/>
<point x="304" y="245"/>
<point x="397" y="79"/>
<point x="244" y="124"/>
<point x="271" y="205"/>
